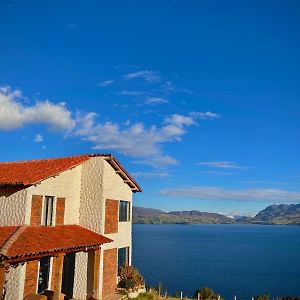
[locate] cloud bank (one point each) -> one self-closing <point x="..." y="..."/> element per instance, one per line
<point x="217" y="193"/>
<point x="142" y="142"/>
<point x="221" y="164"/>
<point x="15" y="114"/>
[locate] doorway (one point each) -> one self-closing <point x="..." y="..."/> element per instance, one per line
<point x="68" y="275"/>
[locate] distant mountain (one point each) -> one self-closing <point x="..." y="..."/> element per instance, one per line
<point x="278" y="214"/>
<point x="273" y="214"/>
<point x="143" y="215"/>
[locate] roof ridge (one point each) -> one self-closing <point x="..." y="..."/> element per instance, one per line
<point x="53" y="158"/>
<point x="12" y="239"/>
<point x="42" y="159"/>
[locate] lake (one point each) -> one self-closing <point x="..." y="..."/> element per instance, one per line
<point x="241" y="260"/>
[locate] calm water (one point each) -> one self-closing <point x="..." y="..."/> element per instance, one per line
<point x="242" y="260"/>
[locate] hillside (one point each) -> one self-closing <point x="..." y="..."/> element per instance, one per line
<point x="143" y="215"/>
<point x="274" y="214"/>
<point x="278" y="214"/>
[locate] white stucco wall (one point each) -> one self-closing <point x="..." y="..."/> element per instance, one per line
<point x="15" y="279"/>
<point x="80" y="277"/>
<point x="115" y="188"/>
<point x="91" y="199"/>
<point x="90" y="216"/>
<point x="12" y="204"/>
<point x="67" y="185"/>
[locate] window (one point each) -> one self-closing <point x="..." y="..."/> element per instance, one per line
<point x="48" y="211"/>
<point x="124" y="211"/>
<point x="44" y="274"/>
<point x="123" y="257"/>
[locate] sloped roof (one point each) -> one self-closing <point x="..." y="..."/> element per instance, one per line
<point x="31" y="172"/>
<point x="21" y="243"/>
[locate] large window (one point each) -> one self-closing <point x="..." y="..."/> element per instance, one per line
<point x="123" y="257"/>
<point x="124" y="211"/>
<point x="48" y="211"/>
<point x="43" y="281"/>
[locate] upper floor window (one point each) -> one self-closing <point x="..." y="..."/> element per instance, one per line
<point x="124" y="211"/>
<point x="48" y="211"/>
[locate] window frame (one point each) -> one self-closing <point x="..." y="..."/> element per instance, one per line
<point x="124" y="261"/>
<point x="44" y="262"/>
<point x="124" y="211"/>
<point x="48" y="211"/>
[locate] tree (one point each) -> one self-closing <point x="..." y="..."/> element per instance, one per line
<point x="130" y="278"/>
<point x="206" y="294"/>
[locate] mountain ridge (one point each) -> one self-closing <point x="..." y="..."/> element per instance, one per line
<point x="284" y="214"/>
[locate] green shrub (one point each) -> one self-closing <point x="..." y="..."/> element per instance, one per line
<point x="262" y="297"/>
<point x="206" y="294"/>
<point x="130" y="278"/>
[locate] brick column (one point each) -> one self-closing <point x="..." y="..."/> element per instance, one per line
<point x="59" y="264"/>
<point x="2" y="281"/>
<point x="31" y="276"/>
<point x="93" y="274"/>
<point x="110" y="270"/>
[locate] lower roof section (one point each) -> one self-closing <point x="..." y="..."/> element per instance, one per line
<point x="23" y="243"/>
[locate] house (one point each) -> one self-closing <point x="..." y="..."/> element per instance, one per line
<point x="65" y="226"/>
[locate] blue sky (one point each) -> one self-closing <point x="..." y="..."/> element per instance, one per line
<point x="199" y="100"/>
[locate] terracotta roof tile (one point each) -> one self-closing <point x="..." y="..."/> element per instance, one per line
<point x="34" y="171"/>
<point x="35" y="241"/>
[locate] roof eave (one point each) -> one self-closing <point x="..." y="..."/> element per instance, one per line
<point x="135" y="188"/>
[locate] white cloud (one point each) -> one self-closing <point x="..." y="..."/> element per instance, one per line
<point x="39" y="138"/>
<point x="148" y="76"/>
<point x="215" y="172"/>
<point x="15" y="114"/>
<point x="144" y="143"/>
<point x="133" y="93"/>
<point x="106" y="83"/>
<point x="149" y="174"/>
<point x="221" y="165"/>
<point x="134" y="140"/>
<point x="216" y="193"/>
<point x="205" y="115"/>
<point x="169" y="86"/>
<point x="156" y="101"/>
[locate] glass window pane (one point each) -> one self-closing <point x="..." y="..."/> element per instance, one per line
<point x="124" y="211"/>
<point x="43" y="281"/>
<point x="123" y="257"/>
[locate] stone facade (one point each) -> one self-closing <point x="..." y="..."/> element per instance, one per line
<point x="86" y="195"/>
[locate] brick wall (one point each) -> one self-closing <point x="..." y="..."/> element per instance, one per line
<point x="60" y="211"/>
<point x="30" y="285"/>
<point x="36" y="210"/>
<point x="111" y="216"/>
<point x="109" y="272"/>
<point x="53" y="272"/>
